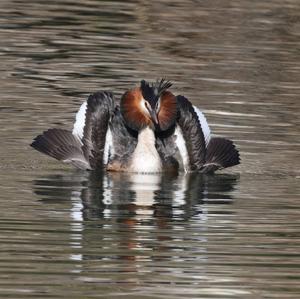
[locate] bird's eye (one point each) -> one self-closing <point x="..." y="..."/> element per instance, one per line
<point x="157" y="105"/>
<point x="147" y="105"/>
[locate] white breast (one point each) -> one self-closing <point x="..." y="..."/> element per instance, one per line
<point x="145" y="158"/>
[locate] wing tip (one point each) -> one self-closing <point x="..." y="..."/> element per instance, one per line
<point x="61" y="145"/>
<point x="221" y="153"/>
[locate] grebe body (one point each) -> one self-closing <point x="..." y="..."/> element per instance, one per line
<point x="150" y="131"/>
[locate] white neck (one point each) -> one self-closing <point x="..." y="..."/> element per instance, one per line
<point x="145" y="158"/>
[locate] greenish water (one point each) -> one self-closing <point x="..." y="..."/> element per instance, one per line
<point x="65" y="233"/>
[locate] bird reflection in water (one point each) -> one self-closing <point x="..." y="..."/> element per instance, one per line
<point x="126" y="196"/>
<point x="125" y="214"/>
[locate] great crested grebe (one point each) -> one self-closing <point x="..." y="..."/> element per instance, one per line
<point x="150" y="131"/>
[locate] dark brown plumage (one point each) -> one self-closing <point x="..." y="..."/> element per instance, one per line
<point x="220" y="153"/>
<point x="100" y="106"/>
<point x="192" y="133"/>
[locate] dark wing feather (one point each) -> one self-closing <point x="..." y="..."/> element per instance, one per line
<point x="190" y="126"/>
<point x="61" y="145"/>
<point x="125" y="139"/>
<point x="165" y="144"/>
<point x="100" y="106"/>
<point x="221" y="153"/>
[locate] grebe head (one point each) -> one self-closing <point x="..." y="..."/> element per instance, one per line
<point x="151" y="104"/>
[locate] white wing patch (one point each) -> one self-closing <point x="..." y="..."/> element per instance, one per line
<point x="108" y="148"/>
<point x="78" y="129"/>
<point x="182" y="148"/>
<point x="80" y="121"/>
<point x="204" y="124"/>
<point x="180" y="142"/>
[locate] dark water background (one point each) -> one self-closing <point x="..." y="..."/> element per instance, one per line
<point x="71" y="234"/>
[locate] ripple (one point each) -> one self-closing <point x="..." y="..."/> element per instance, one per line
<point x="232" y="235"/>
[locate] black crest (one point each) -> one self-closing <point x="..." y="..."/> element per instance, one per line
<point x="152" y="91"/>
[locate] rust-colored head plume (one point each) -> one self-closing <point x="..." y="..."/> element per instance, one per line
<point x="131" y="110"/>
<point x="168" y="110"/>
<point x="150" y="105"/>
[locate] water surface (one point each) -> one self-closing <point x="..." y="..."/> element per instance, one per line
<point x="71" y="234"/>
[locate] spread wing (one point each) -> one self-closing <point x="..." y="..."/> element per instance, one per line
<point x="200" y="151"/>
<point x="88" y="145"/>
<point x="63" y="146"/>
<point x="96" y="138"/>
<point x="191" y="139"/>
